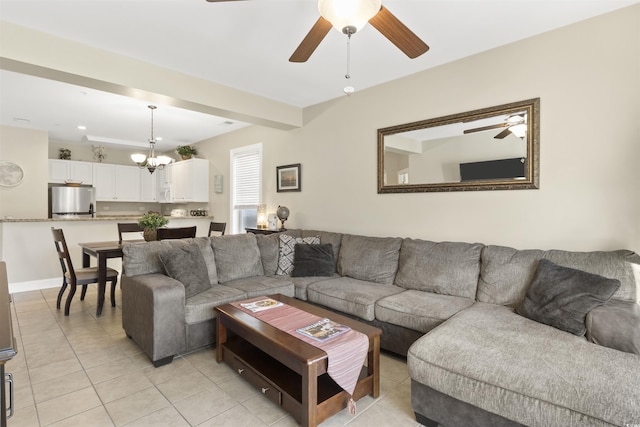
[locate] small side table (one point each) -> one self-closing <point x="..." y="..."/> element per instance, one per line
<point x="260" y="231"/>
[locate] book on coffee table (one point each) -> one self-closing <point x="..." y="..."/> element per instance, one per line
<point x="263" y="304"/>
<point x="323" y="330"/>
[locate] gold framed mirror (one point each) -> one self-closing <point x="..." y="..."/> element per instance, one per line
<point x="495" y="148"/>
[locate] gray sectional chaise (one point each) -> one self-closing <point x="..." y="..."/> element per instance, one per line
<point x="448" y="306"/>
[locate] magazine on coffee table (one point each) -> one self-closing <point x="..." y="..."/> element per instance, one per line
<point x="260" y="305"/>
<point x="323" y="330"/>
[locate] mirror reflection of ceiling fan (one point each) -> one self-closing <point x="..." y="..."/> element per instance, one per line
<point x="349" y="16"/>
<point x="515" y="124"/>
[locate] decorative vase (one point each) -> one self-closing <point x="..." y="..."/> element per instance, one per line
<point x="150" y="234"/>
<point x="187" y="157"/>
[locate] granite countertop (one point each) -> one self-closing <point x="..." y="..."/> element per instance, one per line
<point x="99" y="218"/>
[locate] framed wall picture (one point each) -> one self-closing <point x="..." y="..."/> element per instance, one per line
<point x="288" y="178"/>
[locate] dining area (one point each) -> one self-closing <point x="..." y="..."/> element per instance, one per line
<point x="28" y="248"/>
<point x="100" y="274"/>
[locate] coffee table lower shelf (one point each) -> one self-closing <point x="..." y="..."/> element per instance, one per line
<point x="283" y="386"/>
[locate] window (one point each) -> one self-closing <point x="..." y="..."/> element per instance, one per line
<point x="246" y="187"/>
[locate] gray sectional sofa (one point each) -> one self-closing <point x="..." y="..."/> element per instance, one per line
<point x="447" y="306"/>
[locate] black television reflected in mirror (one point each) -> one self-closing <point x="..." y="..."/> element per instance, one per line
<point x="514" y="168"/>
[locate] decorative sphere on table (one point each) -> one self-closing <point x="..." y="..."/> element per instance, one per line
<point x="283" y="215"/>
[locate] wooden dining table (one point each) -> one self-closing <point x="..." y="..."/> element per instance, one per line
<point x="102" y="251"/>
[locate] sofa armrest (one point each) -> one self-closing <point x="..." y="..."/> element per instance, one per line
<point x="153" y="314"/>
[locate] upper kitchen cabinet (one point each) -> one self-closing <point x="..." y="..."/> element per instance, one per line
<point x="148" y="185"/>
<point x="70" y="170"/>
<point x="116" y="183"/>
<point x="189" y="181"/>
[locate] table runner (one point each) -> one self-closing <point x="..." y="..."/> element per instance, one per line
<point x="346" y="352"/>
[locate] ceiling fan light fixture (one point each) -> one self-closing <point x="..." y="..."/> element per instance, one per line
<point x="348" y="13"/>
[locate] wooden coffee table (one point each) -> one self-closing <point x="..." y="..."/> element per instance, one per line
<point x="289" y="371"/>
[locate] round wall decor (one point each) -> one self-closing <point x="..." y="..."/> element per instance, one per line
<point x="11" y="174"/>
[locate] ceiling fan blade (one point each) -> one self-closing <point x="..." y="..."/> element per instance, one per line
<point x="398" y="33"/>
<point x="503" y="134"/>
<point x="311" y="40"/>
<point x="480" y="129"/>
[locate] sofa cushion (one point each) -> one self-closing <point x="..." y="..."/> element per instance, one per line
<point x="313" y="260"/>
<point x="335" y="239"/>
<point x="561" y="297"/>
<point x="186" y="265"/>
<point x="237" y="256"/>
<point x="417" y="310"/>
<point x="492" y="358"/>
<point x="269" y="245"/>
<point x="615" y="324"/>
<point x="200" y="307"/>
<point x="372" y="259"/>
<point x="351" y="296"/>
<point x="287" y="251"/>
<point x="143" y="257"/>
<point x="262" y="285"/>
<point x="302" y="283"/>
<point x="505" y="273"/>
<point x="204" y="243"/>
<point x="448" y="268"/>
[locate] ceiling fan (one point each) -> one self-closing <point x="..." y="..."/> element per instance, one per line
<point x="515" y="124"/>
<point x="349" y="16"/>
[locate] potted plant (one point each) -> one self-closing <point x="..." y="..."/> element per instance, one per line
<point x="150" y="222"/>
<point x="186" y="151"/>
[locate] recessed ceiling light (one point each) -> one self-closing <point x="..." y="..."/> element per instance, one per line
<point x="158" y="138"/>
<point x="81" y="127"/>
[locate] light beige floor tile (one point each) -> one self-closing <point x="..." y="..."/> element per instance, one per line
<point x="122" y="386"/>
<point x="183" y="386"/>
<point x="23" y="394"/>
<point x="111" y="370"/>
<point x="267" y="411"/>
<point x="167" y="417"/>
<point x="205" y="405"/>
<point x="59" y="386"/>
<point x="393" y="368"/>
<point x="26" y="296"/>
<point x="141" y="360"/>
<point x="54" y="370"/>
<point x="178" y="367"/>
<point x="94" y="358"/>
<point x="137" y="405"/>
<point x="67" y="405"/>
<point x="26" y="416"/>
<point x="96" y="417"/>
<point x="237" y="416"/>
<point x="239" y="388"/>
<point x="287" y="421"/>
<point x="52" y="355"/>
<point x="35" y="305"/>
<point x="35" y="337"/>
<point x="379" y="416"/>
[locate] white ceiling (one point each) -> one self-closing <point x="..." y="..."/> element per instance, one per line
<point x="246" y="45"/>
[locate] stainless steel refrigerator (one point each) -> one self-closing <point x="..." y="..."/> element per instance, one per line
<point x="72" y="202"/>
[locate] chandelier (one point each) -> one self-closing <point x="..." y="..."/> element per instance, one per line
<point x="151" y="162"/>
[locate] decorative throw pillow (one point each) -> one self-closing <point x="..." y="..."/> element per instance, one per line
<point x="615" y="324"/>
<point x="561" y="297"/>
<point x="186" y="265"/>
<point x="313" y="260"/>
<point x="287" y="252"/>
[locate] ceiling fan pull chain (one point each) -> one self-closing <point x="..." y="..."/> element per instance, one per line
<point x="348" y="89"/>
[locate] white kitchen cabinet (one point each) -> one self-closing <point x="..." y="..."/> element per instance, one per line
<point x="163" y="184"/>
<point x="148" y="185"/>
<point x="190" y="181"/>
<point x="70" y="170"/>
<point x="116" y="183"/>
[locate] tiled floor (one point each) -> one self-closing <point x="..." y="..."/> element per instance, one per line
<point x="83" y="371"/>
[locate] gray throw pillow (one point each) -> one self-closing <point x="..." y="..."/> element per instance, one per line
<point x="287" y="251"/>
<point x="313" y="260"/>
<point x="615" y="324"/>
<point x="186" y="265"/>
<point x="561" y="297"/>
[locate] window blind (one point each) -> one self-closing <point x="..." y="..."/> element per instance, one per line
<point x="247" y="177"/>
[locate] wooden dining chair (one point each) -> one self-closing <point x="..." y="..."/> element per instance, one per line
<point x="176" y="233"/>
<point x="81" y="276"/>
<point x="217" y="227"/>
<point x="128" y="227"/>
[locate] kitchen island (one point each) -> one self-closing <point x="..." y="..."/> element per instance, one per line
<point x="27" y="246"/>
